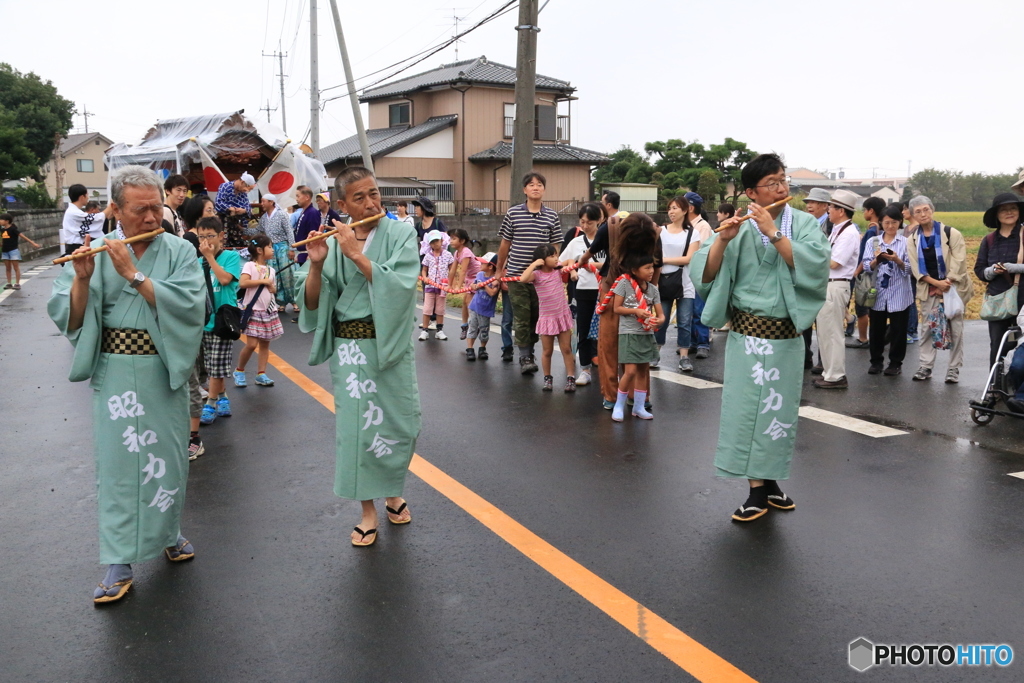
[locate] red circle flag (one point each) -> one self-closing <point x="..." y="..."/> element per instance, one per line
<point x="281" y="182"/>
<point x="212" y="178"/>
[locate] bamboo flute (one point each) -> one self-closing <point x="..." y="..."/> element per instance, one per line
<point x="144" y="237"/>
<point x="741" y="219"/>
<point x="325" y="235"/>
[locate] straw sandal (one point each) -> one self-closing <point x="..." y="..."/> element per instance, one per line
<point x="398" y="512"/>
<point x="176" y="553"/>
<point x="362" y="542"/>
<point x="121" y="586"/>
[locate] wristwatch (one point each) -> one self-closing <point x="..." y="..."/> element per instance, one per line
<point x="776" y="237"/>
<point x="137" y="280"/>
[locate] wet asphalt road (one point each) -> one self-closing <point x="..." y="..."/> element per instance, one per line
<point x="912" y="538"/>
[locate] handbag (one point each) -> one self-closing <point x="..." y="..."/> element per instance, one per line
<point x="227" y="320"/>
<point x="670" y="286"/>
<point x="1004" y="305"/>
<point x="865" y="293"/>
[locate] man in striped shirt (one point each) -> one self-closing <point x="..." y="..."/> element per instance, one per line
<point x="524" y="228"/>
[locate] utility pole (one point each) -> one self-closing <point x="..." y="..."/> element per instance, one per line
<point x="314" y="83"/>
<point x="280" y="73"/>
<point x="268" y="110"/>
<point x="357" y="115"/>
<point x="86" y="115"/>
<point x="526" y="86"/>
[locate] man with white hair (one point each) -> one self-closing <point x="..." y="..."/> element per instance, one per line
<point x="135" y="318"/>
<point x="275" y="224"/>
<point x="232" y="205"/>
<point x="938" y="262"/>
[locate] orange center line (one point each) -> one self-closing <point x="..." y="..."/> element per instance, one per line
<point x="681" y="649"/>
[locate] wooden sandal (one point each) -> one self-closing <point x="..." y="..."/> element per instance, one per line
<point x="362" y="542"/>
<point x="398" y="512"/>
<point x="181" y="556"/>
<point x="122" y="587"/>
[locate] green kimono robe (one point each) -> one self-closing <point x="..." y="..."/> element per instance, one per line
<point x="376" y="398"/>
<point x="140" y="403"/>
<point x="763" y="378"/>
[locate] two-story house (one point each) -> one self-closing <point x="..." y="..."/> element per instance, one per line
<point x="79" y="160"/>
<point x="447" y="133"/>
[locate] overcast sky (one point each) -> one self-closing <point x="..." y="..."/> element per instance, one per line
<point x="870" y="84"/>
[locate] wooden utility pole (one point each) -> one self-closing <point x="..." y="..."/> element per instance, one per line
<point x="357" y="115"/>
<point x="526" y="85"/>
<point x="314" y="83"/>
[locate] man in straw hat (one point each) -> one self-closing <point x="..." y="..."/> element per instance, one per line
<point x="358" y="294"/>
<point x="135" y="317"/>
<point x="768" y="277"/>
<point x="845" y="243"/>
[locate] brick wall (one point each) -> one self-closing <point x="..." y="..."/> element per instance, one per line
<point x="39" y="225"/>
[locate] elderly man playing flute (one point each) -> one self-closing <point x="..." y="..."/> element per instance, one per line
<point x="358" y="296"/>
<point x="135" y="318"/>
<point x="766" y="273"/>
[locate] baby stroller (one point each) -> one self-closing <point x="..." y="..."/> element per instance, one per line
<point x="999" y="388"/>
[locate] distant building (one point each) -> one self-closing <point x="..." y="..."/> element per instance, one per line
<point x="79" y="160"/>
<point x="447" y="133"/>
<point x="634" y="196"/>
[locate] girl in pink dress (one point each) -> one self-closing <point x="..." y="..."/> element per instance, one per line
<point x="555" y="319"/>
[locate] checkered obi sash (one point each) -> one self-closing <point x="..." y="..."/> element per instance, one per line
<point x="751" y="325"/>
<point x="355" y="329"/>
<point x="127" y="342"/>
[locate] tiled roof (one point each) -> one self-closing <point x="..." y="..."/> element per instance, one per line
<point x="550" y="153"/>
<point x="383" y="141"/>
<point x="76" y="140"/>
<point x="477" y="71"/>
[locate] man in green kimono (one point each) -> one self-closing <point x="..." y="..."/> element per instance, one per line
<point x="358" y="291"/>
<point x="135" y="317"/>
<point x="768" y="276"/>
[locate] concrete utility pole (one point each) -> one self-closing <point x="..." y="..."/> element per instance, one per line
<point x="526" y="86"/>
<point x="268" y="110"/>
<point x="280" y="73"/>
<point x="357" y="115"/>
<point x="86" y="115"/>
<point x="314" y="83"/>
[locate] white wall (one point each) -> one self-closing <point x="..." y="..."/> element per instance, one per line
<point x="440" y="145"/>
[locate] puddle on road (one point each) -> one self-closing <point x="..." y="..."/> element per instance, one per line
<point x="958" y="440"/>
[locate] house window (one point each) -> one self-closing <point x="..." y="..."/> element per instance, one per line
<point x="84" y="165"/>
<point x="510" y="120"/>
<point x="399" y="114"/>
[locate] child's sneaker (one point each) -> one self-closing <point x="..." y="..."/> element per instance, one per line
<point x="483" y="354"/>
<point x="470" y="355"/>
<point x="8" y="286"/>
<point x="195" y="447"/>
<point x="584" y="378"/>
<point x="462" y="334"/>
<point x="239" y="376"/>
<point x="570" y="384"/>
<point x="264" y="381"/>
<point x="549" y="382"/>
<point x="441" y="336"/>
<point x="223" y="407"/>
<point x="424" y="335"/>
<point x="208" y="415"/>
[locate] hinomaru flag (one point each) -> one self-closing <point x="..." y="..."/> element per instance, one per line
<point x="212" y="175"/>
<point x="282" y="176"/>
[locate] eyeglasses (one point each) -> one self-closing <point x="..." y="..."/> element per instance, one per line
<point x="774" y="185"/>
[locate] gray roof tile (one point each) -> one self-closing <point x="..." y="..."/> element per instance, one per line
<point x="383" y="141"/>
<point x="477" y="71"/>
<point x="550" y="153"/>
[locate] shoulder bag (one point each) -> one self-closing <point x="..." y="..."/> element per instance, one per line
<point x="670" y="286"/>
<point x="864" y="291"/>
<point x="227" y="320"/>
<point x="1003" y="305"/>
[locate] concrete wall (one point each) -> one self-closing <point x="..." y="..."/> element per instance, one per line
<point x="42" y="226"/>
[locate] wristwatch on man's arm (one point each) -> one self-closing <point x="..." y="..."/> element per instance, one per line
<point x="776" y="237"/>
<point x="137" y="280"/>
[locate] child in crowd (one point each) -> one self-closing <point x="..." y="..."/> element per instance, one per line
<point x="481" y="308"/>
<point x="92" y="207"/>
<point x="264" y="325"/>
<point x="636" y="301"/>
<point x="465" y="270"/>
<point x="725" y="211"/>
<point x="438" y="263"/>
<point x="221" y="268"/>
<point x="11" y="253"/>
<point x="555" y="318"/>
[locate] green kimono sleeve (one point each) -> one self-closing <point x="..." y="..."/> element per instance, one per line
<point x="321" y="320"/>
<point x="716" y="294"/>
<point x="86" y="339"/>
<point x="393" y="294"/>
<point x="805" y="285"/>
<point x="176" y="322"/>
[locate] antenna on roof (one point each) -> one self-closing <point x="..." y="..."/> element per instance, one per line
<point x="456" y="18"/>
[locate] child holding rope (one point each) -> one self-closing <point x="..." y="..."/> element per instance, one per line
<point x="555" y="318"/>
<point x="264" y="325"/>
<point x="638" y="305"/>
<point x="481" y="308"/>
<point x="438" y="264"/>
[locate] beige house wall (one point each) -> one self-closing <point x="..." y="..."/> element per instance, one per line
<point x="95" y="181"/>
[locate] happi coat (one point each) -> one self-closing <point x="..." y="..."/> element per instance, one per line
<point x="140" y="402"/>
<point x="763" y="378"/>
<point x="376" y="397"/>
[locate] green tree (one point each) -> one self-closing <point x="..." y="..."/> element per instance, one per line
<point x="627" y="166"/>
<point x="728" y="159"/>
<point x="16" y="160"/>
<point x="707" y="185"/>
<point x="37" y="108"/>
<point x="35" y="196"/>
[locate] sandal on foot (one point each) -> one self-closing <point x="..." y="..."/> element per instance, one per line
<point x="398" y="512"/>
<point x="180" y="551"/>
<point x="104" y="593"/>
<point x="362" y="542"/>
